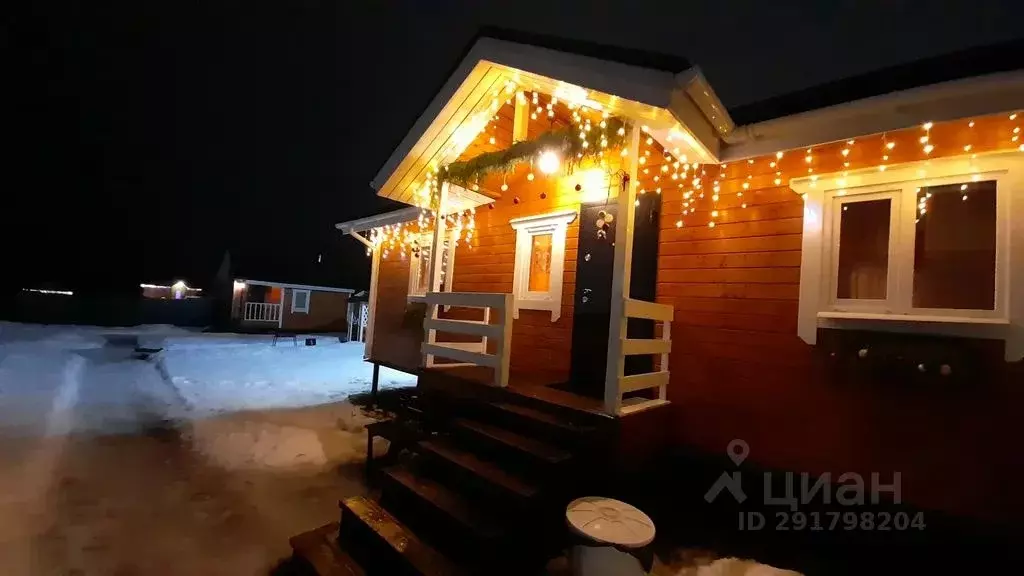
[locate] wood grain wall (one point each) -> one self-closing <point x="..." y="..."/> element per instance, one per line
<point x="740" y="371"/>
<point x="539" y="346"/>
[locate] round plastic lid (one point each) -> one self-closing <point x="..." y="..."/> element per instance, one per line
<point x="610" y="521"/>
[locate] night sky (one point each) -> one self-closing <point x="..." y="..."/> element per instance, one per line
<point x="146" y="137"/>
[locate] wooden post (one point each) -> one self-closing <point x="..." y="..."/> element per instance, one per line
<point x="520" y="118"/>
<point x="372" y="303"/>
<point x="374" y="384"/>
<point x="280" y="315"/>
<point x="615" y="368"/>
<point x="503" y="349"/>
<point x="436" y="263"/>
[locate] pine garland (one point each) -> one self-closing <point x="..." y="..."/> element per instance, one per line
<point x="565" y="141"/>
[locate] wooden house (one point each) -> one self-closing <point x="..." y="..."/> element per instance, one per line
<point x="593" y="243"/>
<point x="263" y="305"/>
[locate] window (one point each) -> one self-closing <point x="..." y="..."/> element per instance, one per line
<point x="300" y="301"/>
<point x="419" y="266"/>
<point x="540" y="261"/>
<point x="926" y="244"/>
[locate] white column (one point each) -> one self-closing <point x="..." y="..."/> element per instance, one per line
<point x="371" y="302"/>
<point x="436" y="262"/>
<point x="615" y="367"/>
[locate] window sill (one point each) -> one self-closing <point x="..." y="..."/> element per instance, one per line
<point x="911" y="318"/>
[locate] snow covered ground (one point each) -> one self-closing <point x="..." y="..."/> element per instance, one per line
<point x="203" y="459"/>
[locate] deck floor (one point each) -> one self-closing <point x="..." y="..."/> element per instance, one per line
<point x="538" y="386"/>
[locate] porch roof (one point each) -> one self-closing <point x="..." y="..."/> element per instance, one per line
<point x="666" y="94"/>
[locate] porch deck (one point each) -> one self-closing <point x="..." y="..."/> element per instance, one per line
<point x="534" y="385"/>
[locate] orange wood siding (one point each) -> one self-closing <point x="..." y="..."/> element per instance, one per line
<point x="486" y="264"/>
<point x="397" y="324"/>
<point x="328" y="312"/>
<point x="740" y="371"/>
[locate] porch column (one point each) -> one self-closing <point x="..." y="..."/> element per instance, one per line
<point x="615" y="368"/>
<point x="436" y="261"/>
<point x="371" y="304"/>
<point x="280" y="313"/>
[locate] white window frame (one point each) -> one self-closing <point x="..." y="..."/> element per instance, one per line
<point x="834" y="202"/>
<point x="295" y="308"/>
<point x="824" y="197"/>
<point x="414" y="294"/>
<point x="556" y="224"/>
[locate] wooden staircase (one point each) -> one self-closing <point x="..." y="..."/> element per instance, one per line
<point x="481" y="488"/>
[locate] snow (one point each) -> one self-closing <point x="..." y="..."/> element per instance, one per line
<point x="197" y="374"/>
<point x="233" y="443"/>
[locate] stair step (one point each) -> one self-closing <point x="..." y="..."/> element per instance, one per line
<point x="403" y="542"/>
<point x="538" y="416"/>
<point x="319" y="547"/>
<point x="481" y="468"/>
<point x="535" y="448"/>
<point x="445" y="500"/>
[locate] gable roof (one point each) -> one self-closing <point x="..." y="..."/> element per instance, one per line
<point x="976" y="61"/>
<point x="663" y="92"/>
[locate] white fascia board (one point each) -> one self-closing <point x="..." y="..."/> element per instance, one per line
<point x="977" y="96"/>
<point x="295" y="286"/>
<point x="646" y="86"/>
<point x="378" y="220"/>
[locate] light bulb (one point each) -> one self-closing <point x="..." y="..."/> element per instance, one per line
<point x="679" y="223"/>
<point x="548" y="162"/>
<point x="927" y="125"/>
<point x="530" y="176"/>
<point x="504" y="187"/>
<point x="711" y="224"/>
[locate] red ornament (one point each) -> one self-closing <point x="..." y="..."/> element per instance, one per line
<point x="543" y="195"/>
<point x="515" y="200"/>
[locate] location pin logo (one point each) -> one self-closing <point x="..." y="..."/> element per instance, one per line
<point x="737" y="451"/>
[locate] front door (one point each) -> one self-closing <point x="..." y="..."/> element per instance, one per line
<point x="595" y="260"/>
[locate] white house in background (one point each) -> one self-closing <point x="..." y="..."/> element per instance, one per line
<point x="262" y="304"/>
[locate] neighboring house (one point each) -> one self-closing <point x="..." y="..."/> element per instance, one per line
<point x="841" y="287"/>
<point x="259" y="304"/>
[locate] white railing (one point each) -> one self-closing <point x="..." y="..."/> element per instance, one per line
<point x="262" y="312"/>
<point x="637" y="346"/>
<point x="470" y="353"/>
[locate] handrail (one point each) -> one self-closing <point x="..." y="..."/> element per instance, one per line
<point x="497" y="301"/>
<point x="262" y="312"/>
<point x="471" y="353"/>
<point x="662" y="347"/>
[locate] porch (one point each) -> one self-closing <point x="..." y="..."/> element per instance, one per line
<point x="487" y="361"/>
<point x="262" y="312"/>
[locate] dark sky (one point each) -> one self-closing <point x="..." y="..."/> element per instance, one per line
<point x="145" y="137"/>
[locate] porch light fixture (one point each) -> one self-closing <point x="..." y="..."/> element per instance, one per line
<point x="548" y="162"/>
